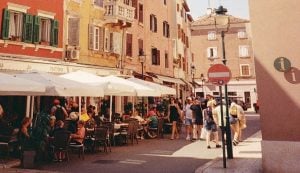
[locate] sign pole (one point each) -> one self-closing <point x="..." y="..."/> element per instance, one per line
<point x="222" y="127"/>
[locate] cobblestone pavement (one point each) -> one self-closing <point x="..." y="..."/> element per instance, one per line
<point x="150" y="155"/>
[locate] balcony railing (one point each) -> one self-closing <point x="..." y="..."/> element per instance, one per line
<point x="116" y="11"/>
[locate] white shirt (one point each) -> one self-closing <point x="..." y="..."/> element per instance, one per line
<point x="188" y="111"/>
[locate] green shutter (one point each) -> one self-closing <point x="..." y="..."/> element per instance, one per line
<point x="36" y="29"/>
<point x="28" y="28"/>
<point x="5" y="24"/>
<point x="54" y="33"/>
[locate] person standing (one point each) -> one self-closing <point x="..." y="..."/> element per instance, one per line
<point x="217" y="116"/>
<point x="197" y="111"/>
<point x="188" y="118"/>
<point x="237" y="113"/>
<point x="58" y="111"/>
<point x="210" y="124"/>
<point x="173" y="116"/>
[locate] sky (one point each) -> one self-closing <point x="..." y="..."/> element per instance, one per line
<point x="237" y="8"/>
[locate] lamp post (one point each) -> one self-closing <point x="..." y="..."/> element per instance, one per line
<point x="202" y="84"/>
<point x="193" y="70"/>
<point x="142" y="59"/>
<point x="222" y="25"/>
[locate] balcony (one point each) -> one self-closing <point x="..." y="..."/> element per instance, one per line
<point x="116" y="12"/>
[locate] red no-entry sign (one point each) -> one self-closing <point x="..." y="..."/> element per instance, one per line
<point x="219" y="74"/>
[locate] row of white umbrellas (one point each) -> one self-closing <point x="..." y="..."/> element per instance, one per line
<point x="78" y="84"/>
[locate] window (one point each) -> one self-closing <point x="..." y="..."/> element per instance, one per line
<point x="166" y="60"/>
<point x="212" y="52"/>
<point x="12" y="25"/>
<point x="129" y="45"/>
<point x="96" y="38"/>
<point x="45" y="31"/>
<point x="177" y="7"/>
<point x="187" y="41"/>
<point x="211" y="35"/>
<point x="245" y="70"/>
<point x="127" y="2"/>
<point x="141" y="13"/>
<point x="165" y="2"/>
<point x="155" y="54"/>
<point x="242" y="34"/>
<point x="244" y="51"/>
<point x="73" y="32"/>
<point x="135" y="5"/>
<point x="140" y="45"/>
<point x="98" y="3"/>
<point x="153" y="23"/>
<point x="166" y="29"/>
<point x="179" y="31"/>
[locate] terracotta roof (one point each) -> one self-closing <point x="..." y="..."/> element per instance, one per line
<point x="209" y="20"/>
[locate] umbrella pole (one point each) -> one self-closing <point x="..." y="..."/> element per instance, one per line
<point x="110" y="108"/>
<point x="31" y="106"/>
<point x="132" y="104"/>
<point x="27" y="106"/>
<point x="79" y="107"/>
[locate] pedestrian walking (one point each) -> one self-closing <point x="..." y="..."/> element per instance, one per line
<point x="188" y="113"/>
<point x="210" y="124"/>
<point x="237" y="122"/>
<point x="58" y="111"/>
<point x="197" y="112"/>
<point x="173" y="116"/>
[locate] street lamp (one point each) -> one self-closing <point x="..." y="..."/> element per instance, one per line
<point x="142" y="59"/>
<point x="202" y="80"/>
<point x="193" y="70"/>
<point x="222" y="25"/>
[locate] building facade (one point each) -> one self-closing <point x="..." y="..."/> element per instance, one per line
<point x="207" y="49"/>
<point x="275" y="27"/>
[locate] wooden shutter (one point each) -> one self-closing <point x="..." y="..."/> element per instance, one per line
<point x="155" y="24"/>
<point x="153" y="55"/>
<point x="73" y="31"/>
<point x="135" y="5"/>
<point x="158" y="57"/>
<point x="5" y="24"/>
<point x="106" y="40"/>
<point x="141" y="13"/>
<point x="91" y="36"/>
<point x="151" y="22"/>
<point x="28" y="28"/>
<point x="140" y="45"/>
<point x="164" y="28"/>
<point x="128" y="44"/>
<point x="36" y="29"/>
<point x="101" y="38"/>
<point x="117" y="42"/>
<point x="208" y="52"/>
<point x="54" y="33"/>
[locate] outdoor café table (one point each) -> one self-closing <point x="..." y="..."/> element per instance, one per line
<point x="118" y="126"/>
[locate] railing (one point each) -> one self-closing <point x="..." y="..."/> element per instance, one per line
<point x="116" y="10"/>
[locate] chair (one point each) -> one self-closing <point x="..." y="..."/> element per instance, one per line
<point x="112" y="134"/>
<point x="130" y="132"/>
<point x="78" y="147"/>
<point x="157" y="131"/>
<point x="101" y="137"/>
<point x="60" y="142"/>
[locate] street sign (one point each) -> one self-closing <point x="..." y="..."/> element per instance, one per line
<point x="219" y="74"/>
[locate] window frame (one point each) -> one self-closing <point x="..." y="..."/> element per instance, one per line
<point x="242" y="34"/>
<point x="241" y="70"/>
<point x="211" y="35"/>
<point x="242" y="49"/>
<point x="212" y="51"/>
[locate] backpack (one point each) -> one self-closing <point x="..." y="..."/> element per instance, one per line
<point x="59" y="113"/>
<point x="233" y="111"/>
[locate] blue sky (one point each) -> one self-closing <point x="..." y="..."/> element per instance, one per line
<point x="237" y="8"/>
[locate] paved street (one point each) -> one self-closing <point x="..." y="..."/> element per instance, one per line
<point x="156" y="155"/>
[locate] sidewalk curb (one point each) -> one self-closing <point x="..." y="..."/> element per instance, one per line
<point x="202" y="168"/>
<point x="207" y="165"/>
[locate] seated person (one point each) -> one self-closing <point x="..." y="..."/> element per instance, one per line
<point x="51" y="126"/>
<point x="136" y="116"/>
<point x="126" y="115"/>
<point x="59" y="155"/>
<point x="84" y="115"/>
<point x="25" y="138"/>
<point x="78" y="137"/>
